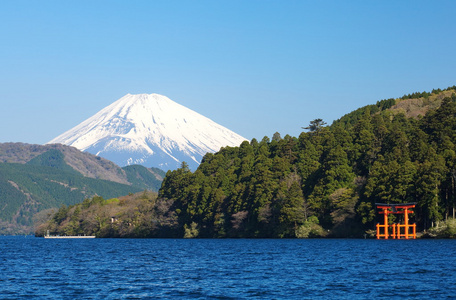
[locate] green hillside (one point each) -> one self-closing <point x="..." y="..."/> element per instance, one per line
<point x="46" y="181"/>
<point x="145" y="178"/>
<point x="27" y="189"/>
<point x="54" y="159"/>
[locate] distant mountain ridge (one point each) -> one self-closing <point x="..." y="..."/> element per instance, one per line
<point x="85" y="163"/>
<point x="151" y="130"/>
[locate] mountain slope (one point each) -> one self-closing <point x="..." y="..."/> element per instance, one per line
<point x="27" y="189"/>
<point x="84" y="163"/>
<point x="34" y="178"/>
<point x="151" y="130"/>
<point x="145" y="178"/>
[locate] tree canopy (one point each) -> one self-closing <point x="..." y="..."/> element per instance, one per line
<point x="332" y="179"/>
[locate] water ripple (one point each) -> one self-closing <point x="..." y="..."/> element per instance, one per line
<point x="225" y="269"/>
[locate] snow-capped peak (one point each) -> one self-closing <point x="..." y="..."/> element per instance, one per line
<point x="149" y="129"/>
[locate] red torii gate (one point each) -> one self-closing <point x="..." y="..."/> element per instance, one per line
<point x="397" y="232"/>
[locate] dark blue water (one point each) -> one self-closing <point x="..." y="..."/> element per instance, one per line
<point x="226" y="269"/>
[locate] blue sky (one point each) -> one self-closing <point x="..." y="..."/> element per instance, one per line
<point x="255" y="67"/>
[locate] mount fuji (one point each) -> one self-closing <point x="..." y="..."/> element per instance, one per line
<point x="150" y="130"/>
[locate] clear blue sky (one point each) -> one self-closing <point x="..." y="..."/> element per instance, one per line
<point x="256" y="67"/>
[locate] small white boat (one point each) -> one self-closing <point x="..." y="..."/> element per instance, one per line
<point x="48" y="236"/>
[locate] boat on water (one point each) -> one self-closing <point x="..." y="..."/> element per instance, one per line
<point x="48" y="236"/>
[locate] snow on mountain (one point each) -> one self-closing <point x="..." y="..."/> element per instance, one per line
<point x="151" y="130"/>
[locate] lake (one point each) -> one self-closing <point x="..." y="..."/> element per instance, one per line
<point x="226" y="268"/>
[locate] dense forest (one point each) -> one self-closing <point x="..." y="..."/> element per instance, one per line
<point x="324" y="182"/>
<point x="327" y="180"/>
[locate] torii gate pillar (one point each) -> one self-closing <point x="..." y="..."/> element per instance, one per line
<point x="397" y="233"/>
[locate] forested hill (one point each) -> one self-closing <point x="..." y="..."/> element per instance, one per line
<point x="34" y="178"/>
<point x="327" y="180"/>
